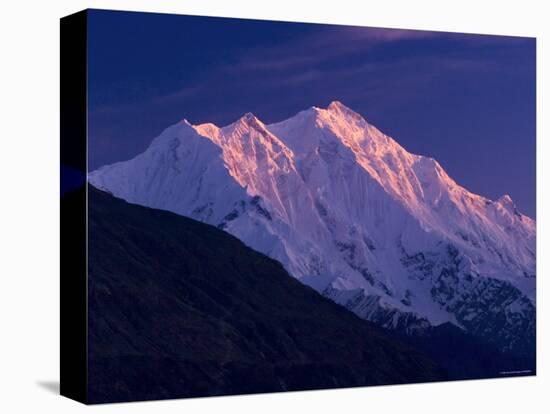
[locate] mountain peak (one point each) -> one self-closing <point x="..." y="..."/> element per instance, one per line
<point x="337" y="105"/>
<point x="250" y="120"/>
<point x="338" y="108"/>
<point x="507" y="202"/>
<point x="249" y="117"/>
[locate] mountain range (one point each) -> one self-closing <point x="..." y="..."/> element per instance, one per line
<point x="348" y="211"/>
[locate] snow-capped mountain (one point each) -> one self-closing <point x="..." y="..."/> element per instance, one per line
<point x="350" y="212"/>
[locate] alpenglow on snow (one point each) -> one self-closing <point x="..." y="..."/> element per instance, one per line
<point x="348" y="211"/>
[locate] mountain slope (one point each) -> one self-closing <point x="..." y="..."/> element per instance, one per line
<point x="178" y="308"/>
<point x="348" y="211"/>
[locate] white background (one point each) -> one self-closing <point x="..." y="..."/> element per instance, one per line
<point x="29" y="237"/>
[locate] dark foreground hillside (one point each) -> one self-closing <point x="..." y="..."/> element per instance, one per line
<point x="178" y="308"/>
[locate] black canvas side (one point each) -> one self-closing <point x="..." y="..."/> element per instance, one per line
<point x="73" y="279"/>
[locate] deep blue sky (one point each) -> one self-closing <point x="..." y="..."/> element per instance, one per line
<point x="466" y="100"/>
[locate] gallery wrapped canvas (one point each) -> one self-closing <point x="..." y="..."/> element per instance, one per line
<point x="254" y="206"/>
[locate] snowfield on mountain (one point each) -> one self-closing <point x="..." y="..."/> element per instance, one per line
<point x="347" y="210"/>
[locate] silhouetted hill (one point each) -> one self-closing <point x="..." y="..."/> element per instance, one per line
<point x="178" y="308"/>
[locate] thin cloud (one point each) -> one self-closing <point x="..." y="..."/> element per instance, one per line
<point x="301" y="60"/>
<point x="330" y="43"/>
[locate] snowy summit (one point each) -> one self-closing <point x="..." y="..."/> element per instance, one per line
<point x="350" y="212"/>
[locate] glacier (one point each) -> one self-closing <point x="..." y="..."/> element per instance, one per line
<point x="348" y="211"/>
